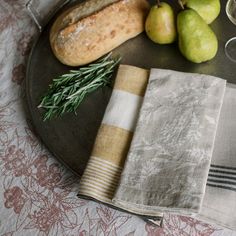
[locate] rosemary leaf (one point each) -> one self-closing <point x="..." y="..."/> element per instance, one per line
<point x="67" y="91"/>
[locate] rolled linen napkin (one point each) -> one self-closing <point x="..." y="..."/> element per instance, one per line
<point x="169" y="158"/>
<point x="102" y="174"/>
<point x="111" y="146"/>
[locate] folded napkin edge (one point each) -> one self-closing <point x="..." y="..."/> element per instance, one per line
<point x="154" y="210"/>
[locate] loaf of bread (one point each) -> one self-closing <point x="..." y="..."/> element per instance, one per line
<point x="93" y="28"/>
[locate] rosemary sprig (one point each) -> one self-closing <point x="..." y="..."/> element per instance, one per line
<point x="67" y="91"/>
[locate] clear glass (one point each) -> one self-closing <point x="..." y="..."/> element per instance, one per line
<point x="42" y="10"/>
<point x="230" y="46"/>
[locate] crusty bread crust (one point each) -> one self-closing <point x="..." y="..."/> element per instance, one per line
<point x="79" y="36"/>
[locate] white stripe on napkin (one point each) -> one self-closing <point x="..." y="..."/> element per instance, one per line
<point x="122" y="110"/>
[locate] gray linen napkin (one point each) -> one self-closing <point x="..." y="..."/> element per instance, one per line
<point x="219" y="203"/>
<point x="169" y="158"/>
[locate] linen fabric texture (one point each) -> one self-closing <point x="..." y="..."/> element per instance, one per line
<point x="168" y="147"/>
<point x="168" y="162"/>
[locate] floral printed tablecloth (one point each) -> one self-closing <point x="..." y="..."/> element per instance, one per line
<point x="38" y="194"/>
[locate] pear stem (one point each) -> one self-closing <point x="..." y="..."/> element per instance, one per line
<point x="158" y="3"/>
<point x="181" y="4"/>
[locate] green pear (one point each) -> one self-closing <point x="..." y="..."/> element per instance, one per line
<point x="160" y="24"/>
<point x="197" y="42"/>
<point x="207" y="9"/>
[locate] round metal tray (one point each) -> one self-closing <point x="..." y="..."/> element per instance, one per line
<point x="71" y="137"/>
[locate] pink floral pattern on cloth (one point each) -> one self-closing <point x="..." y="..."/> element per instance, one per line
<point x="38" y="194"/>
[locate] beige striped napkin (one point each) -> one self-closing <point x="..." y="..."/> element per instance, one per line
<point x="103" y="170"/>
<point x="102" y="174"/>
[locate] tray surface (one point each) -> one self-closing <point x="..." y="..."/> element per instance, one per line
<point x="71" y="137"/>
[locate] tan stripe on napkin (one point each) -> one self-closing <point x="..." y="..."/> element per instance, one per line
<point x="112" y="144"/>
<point x="132" y="79"/>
